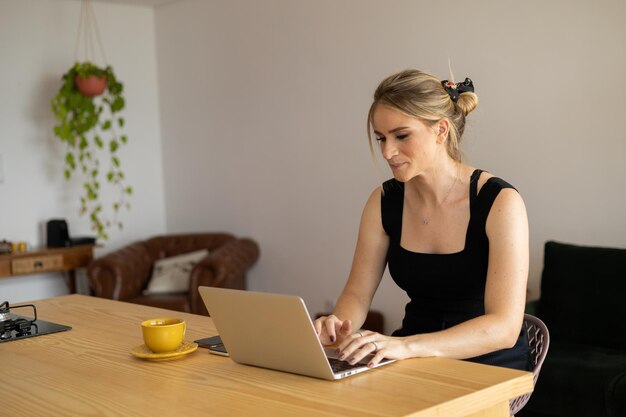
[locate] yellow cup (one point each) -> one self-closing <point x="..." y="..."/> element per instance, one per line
<point x="163" y="334"/>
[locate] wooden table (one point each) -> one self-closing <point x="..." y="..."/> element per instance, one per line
<point x="89" y="371"/>
<point x="66" y="259"/>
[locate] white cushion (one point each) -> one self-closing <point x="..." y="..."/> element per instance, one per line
<point x="172" y="274"/>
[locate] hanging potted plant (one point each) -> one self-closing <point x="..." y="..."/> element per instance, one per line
<point x="86" y="109"/>
<point x="90" y="80"/>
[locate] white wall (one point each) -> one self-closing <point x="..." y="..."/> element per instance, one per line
<point x="264" y="103"/>
<point x="37" y="39"/>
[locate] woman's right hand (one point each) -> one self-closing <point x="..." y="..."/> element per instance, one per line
<point x="330" y="329"/>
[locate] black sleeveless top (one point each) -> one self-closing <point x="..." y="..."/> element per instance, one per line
<point x="447" y="289"/>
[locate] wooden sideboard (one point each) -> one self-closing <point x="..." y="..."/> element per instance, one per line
<point x="66" y="259"/>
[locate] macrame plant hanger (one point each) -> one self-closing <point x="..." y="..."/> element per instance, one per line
<point x="87" y="30"/>
<point x="87" y="109"/>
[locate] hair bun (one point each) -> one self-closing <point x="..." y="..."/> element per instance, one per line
<point x="467" y="102"/>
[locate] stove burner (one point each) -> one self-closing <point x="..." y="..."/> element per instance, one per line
<point x="13" y="326"/>
<point x="21" y="326"/>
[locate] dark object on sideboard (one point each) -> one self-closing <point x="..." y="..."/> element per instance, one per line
<point x="582" y="302"/>
<point x="58" y="235"/>
<point x="124" y="274"/>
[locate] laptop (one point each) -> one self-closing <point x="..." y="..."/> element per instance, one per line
<point x="274" y="331"/>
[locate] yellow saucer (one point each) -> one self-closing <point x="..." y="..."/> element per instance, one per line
<point x="143" y="352"/>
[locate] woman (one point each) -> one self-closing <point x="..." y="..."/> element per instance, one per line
<point x="455" y="238"/>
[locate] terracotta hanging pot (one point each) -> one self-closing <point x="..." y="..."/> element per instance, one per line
<point x="91" y="86"/>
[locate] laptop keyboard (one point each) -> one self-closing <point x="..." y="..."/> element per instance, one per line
<point x="341" y="366"/>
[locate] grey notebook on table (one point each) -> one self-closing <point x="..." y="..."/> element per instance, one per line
<point x="274" y="331"/>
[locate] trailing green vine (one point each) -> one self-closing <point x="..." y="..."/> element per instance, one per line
<point x="88" y="127"/>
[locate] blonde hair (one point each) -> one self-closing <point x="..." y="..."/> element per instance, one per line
<point x="421" y="95"/>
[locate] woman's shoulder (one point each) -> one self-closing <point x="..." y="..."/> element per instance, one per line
<point x="491" y="181"/>
<point x="493" y="192"/>
<point x="496" y="195"/>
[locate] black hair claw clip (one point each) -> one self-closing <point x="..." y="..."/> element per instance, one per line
<point x="455" y="89"/>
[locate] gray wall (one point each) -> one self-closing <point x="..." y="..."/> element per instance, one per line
<point x="263" y="108"/>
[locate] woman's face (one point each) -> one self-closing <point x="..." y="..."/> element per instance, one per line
<point x="409" y="145"/>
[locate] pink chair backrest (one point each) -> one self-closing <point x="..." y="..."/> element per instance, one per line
<point x="539" y="342"/>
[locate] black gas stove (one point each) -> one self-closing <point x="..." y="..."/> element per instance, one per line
<point x="15" y="327"/>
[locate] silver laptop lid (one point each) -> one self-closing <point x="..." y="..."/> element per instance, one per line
<point x="267" y="330"/>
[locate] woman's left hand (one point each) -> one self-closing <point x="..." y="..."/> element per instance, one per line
<point x="364" y="342"/>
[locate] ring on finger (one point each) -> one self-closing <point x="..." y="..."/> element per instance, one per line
<point x="375" y="346"/>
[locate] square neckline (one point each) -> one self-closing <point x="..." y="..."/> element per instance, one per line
<point x="473" y="185"/>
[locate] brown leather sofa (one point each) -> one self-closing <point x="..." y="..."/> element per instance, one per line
<point x="124" y="273"/>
